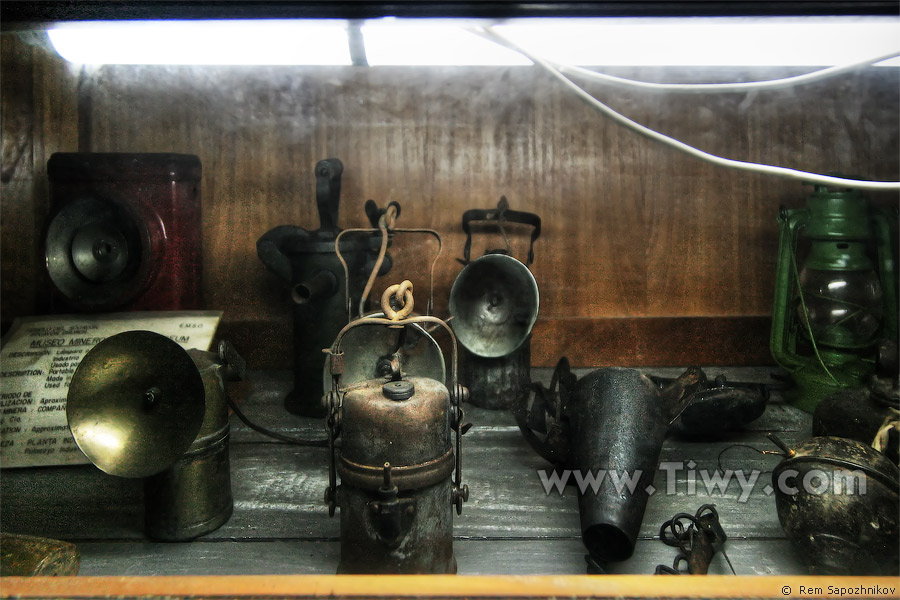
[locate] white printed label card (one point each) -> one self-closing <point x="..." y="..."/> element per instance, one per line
<point x="37" y="360"/>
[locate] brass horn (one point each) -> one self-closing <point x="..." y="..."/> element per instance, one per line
<point x="141" y="406"/>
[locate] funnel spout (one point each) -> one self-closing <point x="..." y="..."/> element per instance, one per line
<point x="323" y="285"/>
<point x="618" y="434"/>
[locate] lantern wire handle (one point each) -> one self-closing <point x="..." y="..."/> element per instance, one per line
<point x="502" y="207"/>
<point x="809" y="330"/>
<point x="402" y="293"/>
<point x="385" y="228"/>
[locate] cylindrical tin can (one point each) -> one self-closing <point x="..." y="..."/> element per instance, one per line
<point x="193" y="497"/>
<point x="395" y="466"/>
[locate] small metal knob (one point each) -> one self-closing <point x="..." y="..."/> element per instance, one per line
<point x="398" y="390"/>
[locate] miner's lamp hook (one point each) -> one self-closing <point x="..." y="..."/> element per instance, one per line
<point x="403" y="294"/>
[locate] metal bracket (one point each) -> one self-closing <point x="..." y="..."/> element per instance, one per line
<point x="392" y="516"/>
<point x="500" y="215"/>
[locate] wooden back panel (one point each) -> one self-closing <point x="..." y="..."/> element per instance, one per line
<point x="644" y="250"/>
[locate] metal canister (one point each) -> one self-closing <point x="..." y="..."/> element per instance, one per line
<point x="193" y="496"/>
<point x="837" y="501"/>
<point x="396" y="459"/>
<point x="141" y="406"/>
<point x="498" y="383"/>
<point x="306" y="259"/>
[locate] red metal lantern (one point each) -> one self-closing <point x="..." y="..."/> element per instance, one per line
<point x="125" y="231"/>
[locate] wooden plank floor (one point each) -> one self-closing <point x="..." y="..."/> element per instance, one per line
<point x="281" y="526"/>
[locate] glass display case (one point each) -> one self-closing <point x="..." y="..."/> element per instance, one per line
<point x="632" y="161"/>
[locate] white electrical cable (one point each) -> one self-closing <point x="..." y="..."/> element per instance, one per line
<point x="489" y="33"/>
<point x="742" y="86"/>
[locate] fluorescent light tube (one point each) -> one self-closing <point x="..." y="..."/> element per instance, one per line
<point x="432" y="43"/>
<point x="699" y="41"/>
<point x="731" y="42"/>
<point x="262" y="42"/>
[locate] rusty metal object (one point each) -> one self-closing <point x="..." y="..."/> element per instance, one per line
<point x="613" y="419"/>
<point x="27" y="555"/>
<point x="698" y="537"/>
<point x="139" y="395"/>
<point x="619" y="420"/>
<point x="383" y="220"/>
<point x="377" y="348"/>
<point x="497" y="383"/>
<point x="862" y="414"/>
<point x="396" y="458"/>
<point x="719" y="406"/>
<point x="837" y="501"/>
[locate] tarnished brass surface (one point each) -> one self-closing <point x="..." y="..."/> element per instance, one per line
<point x="135" y="404"/>
<point x="494" y="302"/>
<point x="193" y="496"/>
<point x="838" y="500"/>
<point x="27" y="555"/>
<point x="146" y="408"/>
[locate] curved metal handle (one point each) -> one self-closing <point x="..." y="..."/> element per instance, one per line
<point x="328" y="192"/>
<point x="336" y="367"/>
<point x="386" y="219"/>
<point x="269" y="248"/>
<point x="500" y="215"/>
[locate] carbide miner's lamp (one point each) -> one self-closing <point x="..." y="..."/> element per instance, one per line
<point x="832" y="302"/>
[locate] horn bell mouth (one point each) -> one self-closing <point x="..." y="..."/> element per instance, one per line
<point x="494" y="303"/>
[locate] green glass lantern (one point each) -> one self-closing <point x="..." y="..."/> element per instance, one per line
<point x="835" y="293"/>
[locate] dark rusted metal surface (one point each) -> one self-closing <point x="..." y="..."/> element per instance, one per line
<point x="837" y="501"/>
<point x="424" y="543"/>
<point x="412" y="434"/>
<point x="27" y="555"/>
<point x="307" y="261"/>
<point x="861" y="413"/>
<point x="396" y="458"/>
<point x="497" y="383"/>
<point x="619" y="419"/>
<point x="719" y="407"/>
<point x="494" y="302"/>
<point x="374" y="349"/>
<point x="698" y="537"/>
<point x="612" y="420"/>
